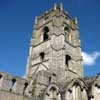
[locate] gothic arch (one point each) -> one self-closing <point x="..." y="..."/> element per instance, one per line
<point x="45" y="33"/>
<point x="46" y="29"/>
<point x="25" y="87"/>
<point x="95" y="89"/>
<point x="12" y="83"/>
<point x="52" y="93"/>
<point x="66" y="28"/>
<point x="76" y="90"/>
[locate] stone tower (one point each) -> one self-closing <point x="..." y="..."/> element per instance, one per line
<point x="54" y="67"/>
<point x="55" y="52"/>
<point x="55" y="45"/>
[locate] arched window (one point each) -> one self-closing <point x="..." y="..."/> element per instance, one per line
<point x="45" y="35"/>
<point x="67" y="59"/>
<point x="42" y="55"/>
<point x="66" y="28"/>
<point x="12" y="83"/>
<point x="1" y="76"/>
<point x="46" y="29"/>
<point x="25" y="86"/>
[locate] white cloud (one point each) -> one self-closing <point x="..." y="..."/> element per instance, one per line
<point x="90" y="59"/>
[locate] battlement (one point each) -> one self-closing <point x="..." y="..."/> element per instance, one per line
<point x="54" y="11"/>
<point x="51" y="15"/>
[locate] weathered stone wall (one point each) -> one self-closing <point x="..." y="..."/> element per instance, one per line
<point x="48" y="85"/>
<point x="12" y="87"/>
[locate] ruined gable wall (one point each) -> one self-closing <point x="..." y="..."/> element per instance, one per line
<point x="12" y="88"/>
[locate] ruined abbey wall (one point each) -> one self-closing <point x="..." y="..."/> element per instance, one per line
<point x="12" y="87"/>
<point x="15" y="88"/>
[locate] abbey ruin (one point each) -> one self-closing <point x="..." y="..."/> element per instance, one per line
<point x="54" y="65"/>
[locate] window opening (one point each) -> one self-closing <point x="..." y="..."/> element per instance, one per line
<point x="67" y="59"/>
<point x="12" y="82"/>
<point x="66" y="28"/>
<point x="42" y="55"/>
<point x="46" y="29"/>
<point x="25" y="86"/>
<point x="0" y="76"/>
<point x="45" y="35"/>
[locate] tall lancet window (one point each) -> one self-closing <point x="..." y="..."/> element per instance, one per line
<point x="42" y="55"/>
<point x="67" y="59"/>
<point x="45" y="34"/>
<point x="12" y="83"/>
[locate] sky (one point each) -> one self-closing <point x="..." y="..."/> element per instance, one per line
<point x="16" y="22"/>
